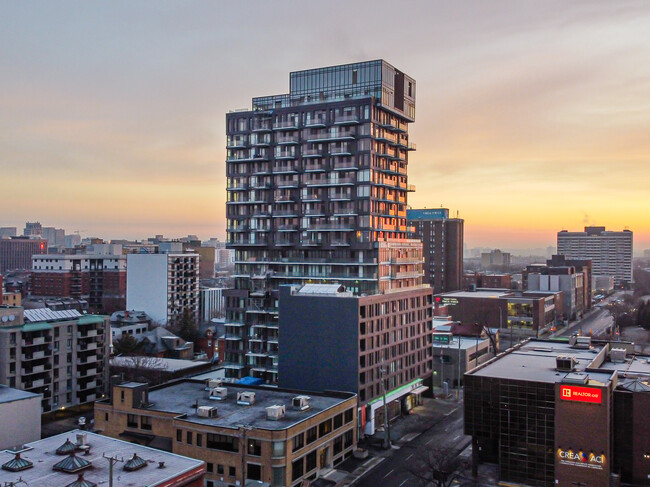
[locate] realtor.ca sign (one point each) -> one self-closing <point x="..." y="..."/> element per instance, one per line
<point x="581" y="394"/>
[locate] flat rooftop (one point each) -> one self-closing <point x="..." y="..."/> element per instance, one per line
<point x="181" y="397"/>
<point x="535" y="360"/>
<point x="42" y="454"/>
<point x="9" y="394"/>
<point x="481" y="293"/>
<point x="157" y="363"/>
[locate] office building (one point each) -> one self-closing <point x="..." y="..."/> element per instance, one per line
<point x="16" y="253"/>
<point x="243" y="433"/>
<point x="490" y="280"/>
<point x="517" y="314"/>
<point x="58" y="354"/>
<point x="442" y="240"/>
<point x="20" y="417"/>
<point x="83" y="459"/>
<point x="610" y="252"/>
<point x="98" y="276"/>
<point x="562" y="413"/>
<point x="495" y="260"/>
<point x="211" y="303"/>
<point x="164" y="285"/>
<point x="317" y="185"/>
<point x="55" y="236"/>
<point x="33" y="229"/>
<point x="378" y="338"/>
<point x="572" y="277"/>
<point x="7" y="232"/>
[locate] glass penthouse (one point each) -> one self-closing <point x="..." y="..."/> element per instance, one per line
<point x="317" y="189"/>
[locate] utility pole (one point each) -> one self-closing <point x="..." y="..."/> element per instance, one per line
<point x="382" y="373"/>
<point x="244" y="428"/>
<point x="111" y="461"/>
<point x="458" y="390"/>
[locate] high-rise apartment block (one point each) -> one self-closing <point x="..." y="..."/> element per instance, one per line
<point x="164" y="285"/>
<point x="442" y="240"/>
<point x="317" y="186"/>
<point x="99" y="276"/>
<point x="16" y="253"/>
<point x="33" y="229"/>
<point x="495" y="259"/>
<point x="610" y="252"/>
<point x="59" y="354"/>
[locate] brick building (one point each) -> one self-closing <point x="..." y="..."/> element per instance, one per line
<point x="16" y="252"/>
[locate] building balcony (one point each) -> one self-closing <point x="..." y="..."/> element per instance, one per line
<point x="345" y="166"/>
<point x="317" y="227"/>
<point x="287" y="184"/>
<point x="313" y="152"/>
<point x="288" y="228"/>
<point x="284" y="140"/>
<point x="282" y="242"/>
<point x="286" y="125"/>
<point x="33" y="356"/>
<point x="407" y="275"/>
<point x="30" y="342"/>
<point x="346" y="120"/>
<point x="331" y="182"/>
<point x="34" y="384"/>
<point x="285" y="214"/>
<point x="87" y="347"/>
<point x="316" y="122"/>
<point x="89" y="385"/>
<point x="90" y="359"/>
<point x="87" y="334"/>
<point x="331" y="137"/>
<point x="340" y="196"/>
<point x="248" y="158"/>
<point x="261" y="127"/>
<point x="285" y="155"/>
<point x="86" y="373"/>
<point x="236" y="144"/>
<point x="37" y="369"/>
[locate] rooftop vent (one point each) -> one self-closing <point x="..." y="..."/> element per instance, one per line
<point x="246" y="398"/>
<point x="206" y="412"/>
<point x="301" y="402"/>
<point x="274" y="413"/>
<point x="565" y="363"/>
<point x="219" y="393"/>
<point x="17" y="464"/>
<point x="583" y="342"/>
<point x="617" y="355"/>
<point x="212" y="383"/>
<point x="82" y="439"/>
<point x="135" y="463"/>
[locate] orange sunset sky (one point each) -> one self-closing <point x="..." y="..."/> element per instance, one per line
<point x="531" y="117"/>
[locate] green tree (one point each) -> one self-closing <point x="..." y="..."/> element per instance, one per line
<point x="186" y="327"/>
<point x="125" y="345"/>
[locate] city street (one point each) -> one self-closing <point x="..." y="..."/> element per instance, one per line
<point x="394" y="471"/>
<point x="595" y="323"/>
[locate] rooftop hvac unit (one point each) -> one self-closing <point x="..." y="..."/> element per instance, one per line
<point x="301" y="402"/>
<point x="207" y="411"/>
<point x="583" y="342"/>
<point x="212" y="383"/>
<point x="246" y="398"/>
<point x="219" y="393"/>
<point x="617" y="355"/>
<point x="274" y="413"/>
<point x="565" y="363"/>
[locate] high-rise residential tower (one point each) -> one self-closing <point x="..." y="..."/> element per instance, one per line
<point x="442" y="238"/>
<point x="610" y="252"/>
<point x="317" y="186"/>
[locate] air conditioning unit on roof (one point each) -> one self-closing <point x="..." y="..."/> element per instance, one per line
<point x="219" y="393"/>
<point x="274" y="413"/>
<point x="206" y="412"/>
<point x="301" y="402"/>
<point x="246" y="398"/>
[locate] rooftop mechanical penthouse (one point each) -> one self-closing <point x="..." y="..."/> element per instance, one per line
<point x="317" y="183"/>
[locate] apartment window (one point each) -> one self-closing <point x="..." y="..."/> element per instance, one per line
<point x="278" y="449"/>
<point x="210" y="467"/>
<point x="122" y="396"/>
<point x="145" y="423"/>
<point x="106" y="417"/>
<point x="12" y="338"/>
<point x="348" y="438"/>
<point x="338" y="421"/>
<point x="253" y="471"/>
<point x="232" y="471"/>
<point x="298" y="442"/>
<point x="222" y="442"/>
<point x="179" y="435"/>
<point x="348" y="416"/>
<point x="325" y="428"/>
<point x="338" y="445"/>
<point x="220" y="469"/>
<point x="189" y="437"/>
<point x="131" y="421"/>
<point x="199" y="439"/>
<point x="312" y="434"/>
<point x="297" y="468"/>
<point x="254" y="447"/>
<point x="310" y="461"/>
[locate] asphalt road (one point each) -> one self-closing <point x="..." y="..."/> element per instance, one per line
<point x="596" y="323"/>
<point x="394" y="471"/>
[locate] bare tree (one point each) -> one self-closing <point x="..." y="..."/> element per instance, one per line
<point x="140" y="368"/>
<point x="437" y="467"/>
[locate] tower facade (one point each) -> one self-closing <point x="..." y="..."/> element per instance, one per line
<point x="317" y="191"/>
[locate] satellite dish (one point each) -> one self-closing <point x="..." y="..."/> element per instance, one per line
<point x="12" y="317"/>
<point x="5" y="319"/>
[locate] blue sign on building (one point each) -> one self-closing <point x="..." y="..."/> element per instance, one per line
<point x="432" y="214"/>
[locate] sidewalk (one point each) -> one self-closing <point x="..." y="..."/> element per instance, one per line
<point x="402" y="430"/>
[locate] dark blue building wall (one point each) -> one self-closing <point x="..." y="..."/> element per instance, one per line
<point x="319" y="342"/>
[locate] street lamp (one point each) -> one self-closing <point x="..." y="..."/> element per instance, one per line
<point x="382" y="373"/>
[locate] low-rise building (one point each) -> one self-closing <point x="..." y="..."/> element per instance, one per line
<point x="58" y="354"/>
<point x="84" y="459"/>
<point x="490" y="280"/>
<point x="277" y="436"/>
<point x="20" y="417"/>
<point x="129" y="322"/>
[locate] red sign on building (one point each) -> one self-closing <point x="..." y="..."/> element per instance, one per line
<point x="582" y="394"/>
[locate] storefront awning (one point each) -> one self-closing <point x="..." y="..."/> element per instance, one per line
<point x="420" y="390"/>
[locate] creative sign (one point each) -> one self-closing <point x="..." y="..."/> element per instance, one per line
<point x="581" y="458"/>
<point x="581" y="394"/>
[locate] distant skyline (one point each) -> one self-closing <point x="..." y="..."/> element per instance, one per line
<point x="531" y="117"/>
